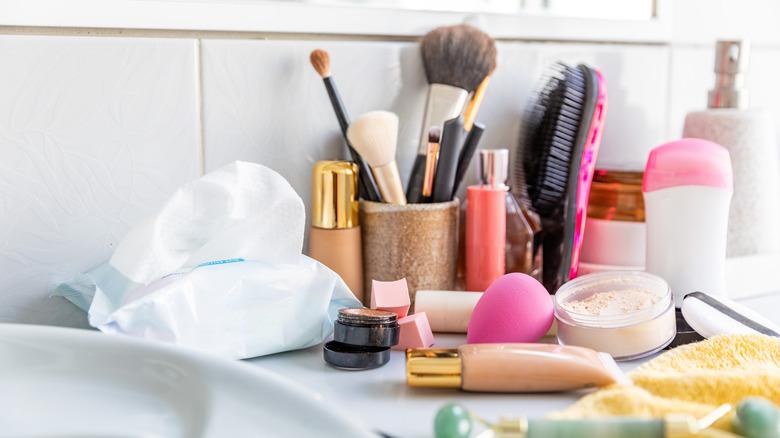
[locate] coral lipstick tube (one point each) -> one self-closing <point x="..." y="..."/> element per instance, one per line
<point x="486" y="221"/>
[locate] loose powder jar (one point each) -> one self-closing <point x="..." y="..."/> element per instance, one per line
<point x="626" y="314"/>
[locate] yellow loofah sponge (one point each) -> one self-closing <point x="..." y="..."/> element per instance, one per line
<point x="693" y="378"/>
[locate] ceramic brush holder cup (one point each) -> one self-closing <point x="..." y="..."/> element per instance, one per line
<point x="418" y="242"/>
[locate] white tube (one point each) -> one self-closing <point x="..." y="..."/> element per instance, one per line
<point x="448" y="311"/>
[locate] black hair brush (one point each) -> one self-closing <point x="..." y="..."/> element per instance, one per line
<point x="554" y="169"/>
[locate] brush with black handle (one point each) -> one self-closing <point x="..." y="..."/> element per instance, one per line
<point x="447" y="166"/>
<point x="456" y="60"/>
<point x="320" y="60"/>
<point x="467" y="153"/>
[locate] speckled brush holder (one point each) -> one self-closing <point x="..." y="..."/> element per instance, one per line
<point x="418" y="242"/>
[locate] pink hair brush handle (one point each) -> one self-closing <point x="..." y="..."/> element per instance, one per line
<point x="587" y="169"/>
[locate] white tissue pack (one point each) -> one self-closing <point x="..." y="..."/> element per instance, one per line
<point x="219" y="268"/>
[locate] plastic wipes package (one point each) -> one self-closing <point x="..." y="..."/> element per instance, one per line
<point x="219" y="269"/>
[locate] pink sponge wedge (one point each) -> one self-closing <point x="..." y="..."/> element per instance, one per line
<point x="392" y="296"/>
<point x="515" y="308"/>
<point x="415" y="332"/>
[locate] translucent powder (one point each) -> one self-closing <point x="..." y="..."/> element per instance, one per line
<point x="626" y="314"/>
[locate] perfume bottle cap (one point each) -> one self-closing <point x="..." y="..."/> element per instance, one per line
<point x="494" y="166"/>
<point x="334" y="195"/>
<point x="731" y="62"/>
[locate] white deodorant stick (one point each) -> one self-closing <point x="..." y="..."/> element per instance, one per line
<point x="448" y="311"/>
<point x="687" y="189"/>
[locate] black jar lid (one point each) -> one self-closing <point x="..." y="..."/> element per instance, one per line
<point x="352" y="357"/>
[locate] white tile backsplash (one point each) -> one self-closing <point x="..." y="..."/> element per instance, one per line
<point x="263" y="102"/>
<point x="94" y="134"/>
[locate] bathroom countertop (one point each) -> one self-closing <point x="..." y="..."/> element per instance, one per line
<point x="381" y="399"/>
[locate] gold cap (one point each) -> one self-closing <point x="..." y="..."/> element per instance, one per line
<point x="433" y="368"/>
<point x="334" y="194"/>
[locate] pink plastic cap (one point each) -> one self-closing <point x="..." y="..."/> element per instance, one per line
<point x="392" y="296"/>
<point x="415" y="332"/>
<point x="688" y="162"/>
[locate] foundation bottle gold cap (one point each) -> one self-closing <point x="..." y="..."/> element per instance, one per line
<point x="433" y="368"/>
<point x="334" y="195"/>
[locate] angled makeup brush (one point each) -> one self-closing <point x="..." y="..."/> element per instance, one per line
<point x="320" y="60"/>
<point x="375" y="135"/>
<point x="456" y="60"/>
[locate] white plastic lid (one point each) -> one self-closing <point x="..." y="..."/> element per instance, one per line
<point x="711" y="316"/>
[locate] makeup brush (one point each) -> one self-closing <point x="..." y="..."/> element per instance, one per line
<point x="449" y="152"/>
<point x="431" y="158"/>
<point x="466" y="154"/>
<point x="375" y="135"/>
<point x="470" y="115"/>
<point x="456" y="59"/>
<point x="320" y="60"/>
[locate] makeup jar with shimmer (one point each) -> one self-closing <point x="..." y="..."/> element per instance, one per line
<point x="628" y="314"/>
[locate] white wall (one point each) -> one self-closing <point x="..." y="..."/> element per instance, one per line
<point x="95" y="132"/>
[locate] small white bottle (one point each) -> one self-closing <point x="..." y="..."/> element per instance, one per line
<point x="687" y="188"/>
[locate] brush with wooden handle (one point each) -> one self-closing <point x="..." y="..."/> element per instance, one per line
<point x="320" y="60"/>
<point x="456" y="60"/>
<point x="470" y="115"/>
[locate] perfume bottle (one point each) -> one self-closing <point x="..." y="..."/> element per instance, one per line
<point x="496" y="234"/>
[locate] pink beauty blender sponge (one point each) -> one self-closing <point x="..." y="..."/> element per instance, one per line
<point x="515" y="308"/>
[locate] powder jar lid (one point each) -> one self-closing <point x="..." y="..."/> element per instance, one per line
<point x="586" y="286"/>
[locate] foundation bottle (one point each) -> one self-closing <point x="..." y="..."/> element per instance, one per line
<point x="510" y="368"/>
<point x="334" y="239"/>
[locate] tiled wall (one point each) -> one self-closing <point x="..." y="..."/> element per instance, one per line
<point x="96" y="132"/>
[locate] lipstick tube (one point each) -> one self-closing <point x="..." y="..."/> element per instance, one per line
<point x="512" y="368"/>
<point x="334" y="238"/>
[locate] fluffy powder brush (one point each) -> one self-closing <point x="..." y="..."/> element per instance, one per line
<point x="375" y="135"/>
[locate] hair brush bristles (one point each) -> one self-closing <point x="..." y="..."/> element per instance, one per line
<point x="320" y="60"/>
<point x="460" y="55"/>
<point x="550" y="137"/>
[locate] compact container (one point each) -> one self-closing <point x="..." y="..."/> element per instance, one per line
<point x="626" y="335"/>
<point x="362" y="339"/>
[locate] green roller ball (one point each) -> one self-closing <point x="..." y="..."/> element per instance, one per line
<point x="452" y="421"/>
<point x="757" y="418"/>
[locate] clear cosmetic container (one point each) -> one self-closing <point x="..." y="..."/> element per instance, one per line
<point x="628" y="314"/>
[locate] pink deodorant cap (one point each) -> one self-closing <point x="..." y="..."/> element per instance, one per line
<point x="392" y="296"/>
<point x="688" y="162"/>
<point x="415" y="332"/>
<point x="515" y="308"/>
